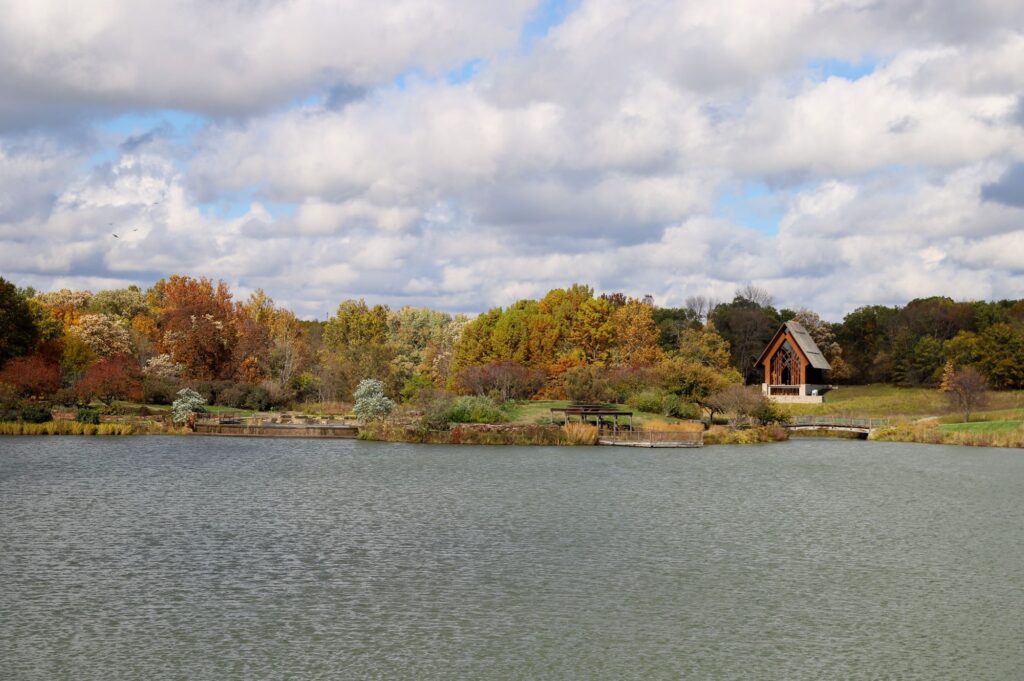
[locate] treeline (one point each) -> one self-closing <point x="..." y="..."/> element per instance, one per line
<point x="73" y="347"/>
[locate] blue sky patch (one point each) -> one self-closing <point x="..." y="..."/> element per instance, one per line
<point x="823" y="69"/>
<point x="752" y="205"/>
<point x="547" y="15"/>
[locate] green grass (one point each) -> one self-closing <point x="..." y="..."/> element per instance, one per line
<point x="882" y="401"/>
<point x="166" y="408"/>
<point x="982" y="427"/>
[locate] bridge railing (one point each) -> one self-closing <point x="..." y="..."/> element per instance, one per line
<point x="837" y="422"/>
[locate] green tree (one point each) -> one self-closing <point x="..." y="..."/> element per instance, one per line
<point x="18" y="332"/>
<point x="357" y="336"/>
<point x="1001" y="355"/>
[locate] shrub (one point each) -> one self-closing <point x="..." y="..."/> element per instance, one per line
<point x="233" y="396"/>
<point x="415" y="386"/>
<point x="664" y="403"/>
<point x="506" y="380"/>
<point x="473" y="409"/>
<point x="586" y="384"/>
<point x="188" y="402"/>
<point x="371" y="403"/>
<point x="35" y="413"/>
<point x="258" y="399"/>
<point x="210" y="390"/>
<point x="84" y="415"/>
<point x="768" y="413"/>
<point x="650" y="401"/>
<point x="68" y="397"/>
<point x="157" y="390"/>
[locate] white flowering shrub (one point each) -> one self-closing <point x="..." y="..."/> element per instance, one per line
<point x="371" y="403"/>
<point x="162" y="366"/>
<point x="188" y="402"/>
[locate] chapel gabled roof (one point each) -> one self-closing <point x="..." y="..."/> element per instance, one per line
<point x="806" y="344"/>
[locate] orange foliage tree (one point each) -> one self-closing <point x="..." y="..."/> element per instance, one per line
<point x="195" y="318"/>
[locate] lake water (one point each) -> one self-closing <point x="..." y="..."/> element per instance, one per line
<point x="206" y="558"/>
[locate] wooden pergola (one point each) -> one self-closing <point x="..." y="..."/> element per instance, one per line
<point x="599" y="413"/>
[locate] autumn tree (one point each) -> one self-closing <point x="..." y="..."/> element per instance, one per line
<point x="65" y="305"/>
<point x="636" y="335"/>
<point x="31" y="376"/>
<point x="113" y="378"/>
<point x="195" y="318"/>
<point x="358" y="337"/>
<point x="593" y="330"/>
<point x="697" y="383"/>
<point x="423" y="341"/>
<point x="252" y="330"/>
<point x="475" y="345"/>
<point x="966" y="390"/>
<point x="124" y="303"/>
<point x="704" y="346"/>
<point x="103" y="335"/>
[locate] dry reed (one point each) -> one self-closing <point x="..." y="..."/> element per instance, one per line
<point x="65" y="428"/>
<point x="580" y="434"/>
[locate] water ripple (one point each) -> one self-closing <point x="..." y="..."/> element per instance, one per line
<point x="193" y="558"/>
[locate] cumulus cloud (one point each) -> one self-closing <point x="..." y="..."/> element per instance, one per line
<point x="231" y="57"/>
<point x="1008" y="189"/>
<point x="887" y="139"/>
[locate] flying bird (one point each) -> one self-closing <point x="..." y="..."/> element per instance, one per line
<point x="115" y="236"/>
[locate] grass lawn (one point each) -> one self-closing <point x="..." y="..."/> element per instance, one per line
<point x="155" y="408"/>
<point x="881" y="401"/>
<point x="982" y="427"/>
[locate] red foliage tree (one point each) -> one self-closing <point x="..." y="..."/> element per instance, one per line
<point x="114" y="378"/>
<point x="32" y="376"/>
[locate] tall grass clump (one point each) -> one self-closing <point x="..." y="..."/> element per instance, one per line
<point x="580" y="434"/>
<point x="65" y="428"/>
<point x="675" y="427"/>
<point x="719" y="435"/>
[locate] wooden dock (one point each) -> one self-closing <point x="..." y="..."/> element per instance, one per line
<point x="649" y="438"/>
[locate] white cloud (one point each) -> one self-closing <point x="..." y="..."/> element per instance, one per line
<point x="229" y="57"/>
<point x="602" y="154"/>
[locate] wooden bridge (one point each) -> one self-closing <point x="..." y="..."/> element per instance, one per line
<point x="836" y="423"/>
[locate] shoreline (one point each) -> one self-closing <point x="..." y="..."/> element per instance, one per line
<point x="929" y="432"/>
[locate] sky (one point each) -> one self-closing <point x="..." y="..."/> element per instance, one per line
<point x="836" y="153"/>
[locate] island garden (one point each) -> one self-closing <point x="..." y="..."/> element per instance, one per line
<point x="113" y="362"/>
